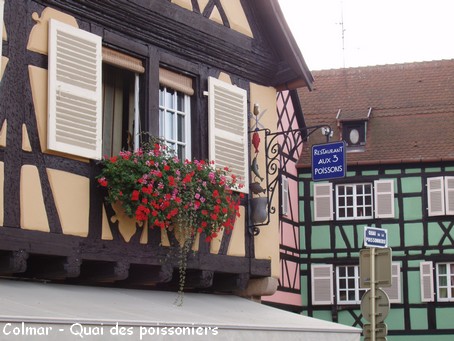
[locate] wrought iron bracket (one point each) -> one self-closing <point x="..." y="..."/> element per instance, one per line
<point x="273" y="141"/>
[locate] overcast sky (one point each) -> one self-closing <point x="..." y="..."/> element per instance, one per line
<point x="375" y="32"/>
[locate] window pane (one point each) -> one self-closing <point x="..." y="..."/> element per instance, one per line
<point x="180" y="102"/>
<point x="349" y="190"/>
<point x="443" y="281"/>
<point x="341" y="201"/>
<point x="341" y="190"/>
<point x="169" y="126"/>
<point x="181" y="152"/>
<point x="368" y="211"/>
<point x="342" y="213"/>
<point x="443" y="293"/>
<point x="351" y="296"/>
<point x="350" y="212"/>
<point x="350" y="201"/>
<point x="442" y="269"/>
<point x="181" y="129"/>
<point x="368" y="189"/>
<point x="169" y="99"/>
<point x="351" y="271"/>
<point x="342" y="271"/>
<point x="342" y="284"/>
<point x="359" y="189"/>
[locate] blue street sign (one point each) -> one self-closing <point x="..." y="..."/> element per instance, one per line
<point x="375" y="237"/>
<point x="328" y="161"/>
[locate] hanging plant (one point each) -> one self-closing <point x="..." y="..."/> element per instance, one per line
<point x="153" y="185"/>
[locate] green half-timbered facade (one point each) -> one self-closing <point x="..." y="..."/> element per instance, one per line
<point x="397" y="123"/>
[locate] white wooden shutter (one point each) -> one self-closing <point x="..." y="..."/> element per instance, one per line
<point x="323" y="201"/>
<point x="449" y="194"/>
<point x="74" y="94"/>
<point x="322" y="284"/>
<point x="435" y="196"/>
<point x="228" y="124"/>
<point x="384" y="198"/>
<point x="427" y="283"/>
<point x="2" y="5"/>
<point x="394" y="290"/>
<point x="285" y="195"/>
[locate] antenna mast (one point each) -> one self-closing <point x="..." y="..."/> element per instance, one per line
<point x="343" y="34"/>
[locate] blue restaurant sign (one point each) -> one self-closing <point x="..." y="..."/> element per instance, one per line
<point x="328" y="161"/>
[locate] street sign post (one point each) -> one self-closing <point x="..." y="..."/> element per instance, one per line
<point x="383" y="270"/>
<point x="328" y="161"/>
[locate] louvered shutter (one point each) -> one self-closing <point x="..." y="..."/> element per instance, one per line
<point x="427" y="286"/>
<point x="384" y="198"/>
<point x="435" y="196"/>
<point x="322" y="284"/>
<point x="323" y="201"/>
<point x="74" y="102"/>
<point x="285" y="195"/>
<point x="449" y="194"/>
<point x="228" y="129"/>
<point x="394" y="290"/>
<point x="2" y="5"/>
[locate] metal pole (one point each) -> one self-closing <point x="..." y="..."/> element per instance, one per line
<point x="372" y="293"/>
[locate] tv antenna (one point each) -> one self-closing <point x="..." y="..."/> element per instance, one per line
<point x="342" y="33"/>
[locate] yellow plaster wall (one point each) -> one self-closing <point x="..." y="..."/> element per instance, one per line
<point x="236" y="16"/>
<point x="38" y="38"/>
<point x="237" y="240"/>
<point x="32" y="210"/>
<point x="26" y="146"/>
<point x="233" y="10"/>
<point x="267" y="242"/>
<point x="72" y="197"/>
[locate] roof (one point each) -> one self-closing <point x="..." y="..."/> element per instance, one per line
<point x="411" y="110"/>
<point x="69" y="308"/>
<point x="293" y="72"/>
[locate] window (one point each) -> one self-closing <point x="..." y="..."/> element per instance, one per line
<point x="174" y="121"/>
<point x="354" y="135"/>
<point x="118" y="110"/>
<point x="93" y="95"/>
<point x="444" y="281"/>
<point x="348" y="287"/>
<point x="440" y="195"/>
<point x="121" y="113"/>
<point x="348" y="290"/>
<point x="354" y="201"/>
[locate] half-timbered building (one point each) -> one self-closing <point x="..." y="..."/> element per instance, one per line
<point x="81" y="79"/>
<point x="397" y="123"/>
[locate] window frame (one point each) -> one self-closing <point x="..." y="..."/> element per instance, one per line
<point x="358" y="291"/>
<point x="355" y="197"/>
<point x="449" y="283"/>
<point x="163" y="109"/>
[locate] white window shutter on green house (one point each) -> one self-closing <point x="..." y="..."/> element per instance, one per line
<point x="74" y="94"/>
<point x="427" y="283"/>
<point x="449" y="190"/>
<point x="394" y="290"/>
<point x="228" y="124"/>
<point x="435" y="196"/>
<point x="323" y="201"/>
<point x="384" y="198"/>
<point x="322" y="284"/>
